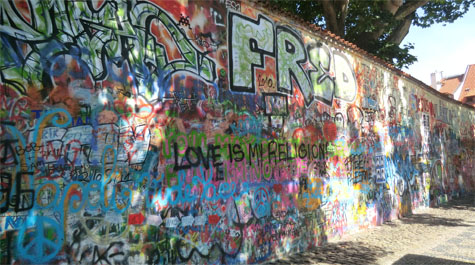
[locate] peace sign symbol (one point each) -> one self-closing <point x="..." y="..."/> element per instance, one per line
<point x="103" y="231"/>
<point x="45" y="240"/>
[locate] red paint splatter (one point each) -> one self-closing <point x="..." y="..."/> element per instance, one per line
<point x="163" y="36"/>
<point x="98" y="4"/>
<point x="213" y="219"/>
<point x="136" y="219"/>
<point x="329" y="131"/>
<point x="277" y="188"/>
<point x="24" y="9"/>
<point x="312" y="133"/>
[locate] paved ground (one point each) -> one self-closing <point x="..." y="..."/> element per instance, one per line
<point x="443" y="235"/>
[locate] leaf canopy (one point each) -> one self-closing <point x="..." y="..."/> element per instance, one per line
<point x="378" y="26"/>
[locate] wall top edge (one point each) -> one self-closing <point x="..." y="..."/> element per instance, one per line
<point x="264" y="5"/>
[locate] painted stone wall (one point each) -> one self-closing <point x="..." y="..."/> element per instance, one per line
<point x="211" y="132"/>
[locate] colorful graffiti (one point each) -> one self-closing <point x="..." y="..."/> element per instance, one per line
<point x="136" y="132"/>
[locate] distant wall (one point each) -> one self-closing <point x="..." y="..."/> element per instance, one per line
<point x="208" y="132"/>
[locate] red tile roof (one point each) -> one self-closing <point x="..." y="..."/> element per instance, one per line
<point x="312" y="27"/>
<point x="468" y="88"/>
<point x="450" y="84"/>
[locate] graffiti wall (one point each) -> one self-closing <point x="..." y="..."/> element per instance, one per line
<point x="136" y="132"/>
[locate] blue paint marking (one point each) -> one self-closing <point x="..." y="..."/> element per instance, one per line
<point x="40" y="248"/>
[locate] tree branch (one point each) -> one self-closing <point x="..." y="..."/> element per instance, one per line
<point x="335" y="14"/>
<point x="408" y="8"/>
<point x="402" y="29"/>
<point x="330" y="16"/>
<point x="405" y="13"/>
<point x="343" y="14"/>
<point x="391" y="5"/>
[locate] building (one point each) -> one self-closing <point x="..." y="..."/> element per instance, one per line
<point x="460" y="87"/>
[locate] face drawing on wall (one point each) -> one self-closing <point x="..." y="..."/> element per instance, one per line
<point x="205" y="132"/>
<point x="261" y="202"/>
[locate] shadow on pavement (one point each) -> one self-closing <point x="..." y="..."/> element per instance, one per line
<point x="419" y="259"/>
<point x="336" y="253"/>
<point x="464" y="203"/>
<point x="431" y="220"/>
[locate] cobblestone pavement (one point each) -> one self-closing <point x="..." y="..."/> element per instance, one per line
<point x="443" y="235"/>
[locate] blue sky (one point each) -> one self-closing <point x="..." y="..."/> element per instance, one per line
<point x="449" y="49"/>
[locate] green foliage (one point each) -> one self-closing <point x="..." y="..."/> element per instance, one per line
<point x="442" y="11"/>
<point x="400" y="57"/>
<point x="310" y="11"/>
<point x="375" y="29"/>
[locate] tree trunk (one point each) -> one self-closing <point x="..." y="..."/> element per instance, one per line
<point x="405" y="13"/>
<point x="402" y="30"/>
<point x="334" y="12"/>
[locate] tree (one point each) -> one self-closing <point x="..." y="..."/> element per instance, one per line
<point x="378" y="26"/>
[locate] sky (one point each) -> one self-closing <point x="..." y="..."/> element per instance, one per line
<point x="448" y="49"/>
